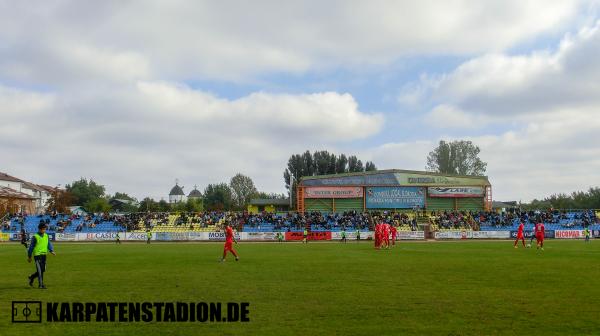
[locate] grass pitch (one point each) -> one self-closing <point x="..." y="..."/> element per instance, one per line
<point x="416" y="288"/>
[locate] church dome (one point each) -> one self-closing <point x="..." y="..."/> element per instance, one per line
<point x="176" y="191"/>
<point x="195" y="193"/>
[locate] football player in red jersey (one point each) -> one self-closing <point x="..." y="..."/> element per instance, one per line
<point x="229" y="240"/>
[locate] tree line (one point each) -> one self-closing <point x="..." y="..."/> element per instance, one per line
<point x="320" y="163"/>
<point x="589" y="199"/>
<point x="92" y="196"/>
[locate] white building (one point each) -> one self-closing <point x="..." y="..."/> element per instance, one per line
<point x="39" y="193"/>
<point x="177" y="195"/>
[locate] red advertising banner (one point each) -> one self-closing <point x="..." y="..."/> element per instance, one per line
<point x="311" y="235"/>
<point x="333" y="192"/>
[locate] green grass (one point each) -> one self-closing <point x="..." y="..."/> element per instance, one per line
<point x="443" y="288"/>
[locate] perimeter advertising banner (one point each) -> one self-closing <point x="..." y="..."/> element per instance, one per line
<point x="258" y="236"/>
<point x="570" y="234"/>
<point x="97" y="236"/>
<point x="333" y="192"/>
<point x="220" y="236"/>
<point x="311" y="235"/>
<point x="473" y="235"/>
<point x="455" y="191"/>
<point x="139" y="236"/>
<point x="395" y="197"/>
<point x="410" y="235"/>
<point x="71" y="236"/>
<point x="490" y="234"/>
<point x="529" y="233"/>
<point x="351" y="235"/>
<point x="16" y="236"/>
<point x="453" y="235"/>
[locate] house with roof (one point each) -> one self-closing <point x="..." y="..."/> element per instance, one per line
<point x="39" y="194"/>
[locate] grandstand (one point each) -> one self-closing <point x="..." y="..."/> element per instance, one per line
<point x="553" y="220"/>
<point x="314" y="221"/>
<point x="58" y="223"/>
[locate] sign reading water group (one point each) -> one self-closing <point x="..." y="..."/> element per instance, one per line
<point x="333" y="192"/>
<point x="395" y="197"/>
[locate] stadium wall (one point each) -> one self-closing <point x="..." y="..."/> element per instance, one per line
<point x="293" y="236"/>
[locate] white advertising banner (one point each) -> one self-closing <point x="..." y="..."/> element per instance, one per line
<point x="170" y="236"/>
<point x="453" y="235"/>
<point x="65" y="236"/>
<point x="220" y="236"/>
<point x="139" y="236"/>
<point x="455" y="191"/>
<point x="97" y="236"/>
<point x="259" y="235"/>
<point x="410" y="235"/>
<point x="351" y="235"/>
<point x="198" y="236"/>
<point x="472" y="235"/>
<point x="490" y="234"/>
<point x="569" y="234"/>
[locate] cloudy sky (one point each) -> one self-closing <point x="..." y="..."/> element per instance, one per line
<point x="135" y="94"/>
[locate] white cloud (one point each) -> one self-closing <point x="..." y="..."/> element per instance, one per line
<point x="140" y="138"/>
<point x="523" y="86"/>
<point x="560" y="154"/>
<point x="63" y="41"/>
<point x="548" y="101"/>
<point x="448" y="116"/>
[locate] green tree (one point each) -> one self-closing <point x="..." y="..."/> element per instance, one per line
<point x="354" y="164"/>
<point x="98" y="205"/>
<point x="242" y="188"/>
<point x="164" y="206"/>
<point x="217" y="197"/>
<point x="589" y="199"/>
<point x="370" y="166"/>
<point x="320" y="163"/>
<point x="148" y="205"/>
<point x="59" y="201"/>
<point x="194" y="205"/>
<point x="456" y="157"/>
<point x="341" y="166"/>
<point x="84" y="191"/>
<point x="264" y="195"/>
<point x="124" y="196"/>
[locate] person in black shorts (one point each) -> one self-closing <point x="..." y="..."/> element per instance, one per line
<point x="23" y="235"/>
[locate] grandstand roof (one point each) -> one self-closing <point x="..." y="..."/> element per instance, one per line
<point x="394" y="177"/>
<point x="176" y="190"/>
